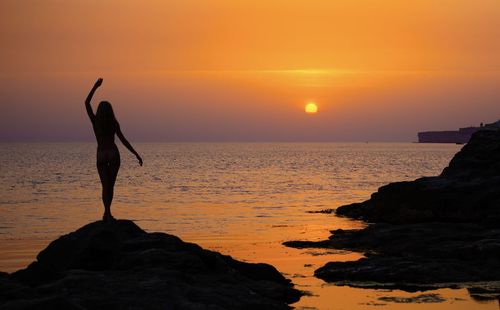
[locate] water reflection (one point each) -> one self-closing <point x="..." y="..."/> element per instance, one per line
<point x="240" y="199"/>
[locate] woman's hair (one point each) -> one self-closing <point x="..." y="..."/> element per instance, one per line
<point x="105" y="120"/>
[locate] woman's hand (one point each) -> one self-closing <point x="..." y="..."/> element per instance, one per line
<point x="88" y="107"/>
<point x="139" y="159"/>
<point x="98" y="83"/>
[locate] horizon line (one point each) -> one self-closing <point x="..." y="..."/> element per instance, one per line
<point x="214" y="141"/>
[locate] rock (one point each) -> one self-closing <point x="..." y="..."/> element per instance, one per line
<point x="414" y="257"/>
<point x="325" y="211"/>
<point x="119" y="266"/>
<point x="466" y="190"/>
<point x="426" y="253"/>
<point x="420" y="299"/>
<point x="441" y="231"/>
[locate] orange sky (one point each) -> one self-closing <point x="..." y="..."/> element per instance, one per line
<point x="243" y="70"/>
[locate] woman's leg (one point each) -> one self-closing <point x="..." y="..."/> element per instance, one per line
<point x="108" y="164"/>
<point x="107" y="192"/>
<point x="114" y="166"/>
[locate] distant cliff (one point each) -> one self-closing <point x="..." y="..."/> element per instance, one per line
<point x="460" y="136"/>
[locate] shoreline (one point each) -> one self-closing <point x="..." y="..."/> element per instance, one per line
<point x="432" y="232"/>
<point x="292" y="264"/>
<point x="264" y="223"/>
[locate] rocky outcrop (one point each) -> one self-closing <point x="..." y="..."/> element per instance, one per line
<point x="466" y="191"/>
<point x="414" y="255"/>
<point x="441" y="231"/>
<point x="119" y="266"/>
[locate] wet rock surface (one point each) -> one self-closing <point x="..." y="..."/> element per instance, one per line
<point x="414" y="254"/>
<point x="420" y="299"/>
<point x="433" y="232"/>
<point x="119" y="266"/>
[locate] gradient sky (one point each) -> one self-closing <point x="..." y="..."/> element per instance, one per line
<point x="225" y="70"/>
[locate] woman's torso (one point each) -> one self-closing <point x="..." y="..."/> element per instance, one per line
<point x="105" y="136"/>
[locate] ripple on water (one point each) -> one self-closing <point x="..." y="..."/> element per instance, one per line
<point x="243" y="199"/>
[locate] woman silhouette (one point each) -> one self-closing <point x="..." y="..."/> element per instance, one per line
<point x="108" y="158"/>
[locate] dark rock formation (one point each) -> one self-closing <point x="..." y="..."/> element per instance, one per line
<point x="468" y="190"/>
<point x="119" y="266"/>
<point x="423" y="254"/>
<point x="325" y="211"/>
<point x="433" y="232"/>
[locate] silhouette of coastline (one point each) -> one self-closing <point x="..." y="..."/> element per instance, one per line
<point x="433" y="232"/>
<point x="460" y="136"/>
<point x="117" y="265"/>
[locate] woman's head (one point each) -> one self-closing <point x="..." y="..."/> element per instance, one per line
<point x="105" y="111"/>
<point x="105" y="117"/>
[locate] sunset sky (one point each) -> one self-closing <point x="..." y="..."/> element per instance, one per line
<point x="225" y="70"/>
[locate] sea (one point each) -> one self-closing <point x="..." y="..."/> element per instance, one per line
<point x="240" y="199"/>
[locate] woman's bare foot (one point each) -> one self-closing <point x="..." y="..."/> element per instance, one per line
<point x="107" y="217"/>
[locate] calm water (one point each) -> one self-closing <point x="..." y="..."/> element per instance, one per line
<point x="241" y="199"/>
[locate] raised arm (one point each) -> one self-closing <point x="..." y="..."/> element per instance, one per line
<point x="126" y="143"/>
<point x="89" y="98"/>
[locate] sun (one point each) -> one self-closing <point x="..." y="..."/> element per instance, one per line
<point x="311" y="108"/>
